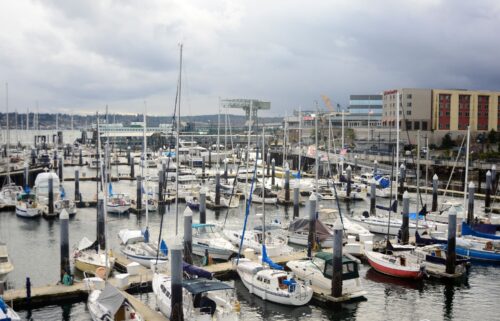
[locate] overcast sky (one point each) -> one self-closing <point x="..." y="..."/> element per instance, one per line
<point x="78" y="56"/>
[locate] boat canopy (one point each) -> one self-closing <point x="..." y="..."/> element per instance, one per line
<point x="197" y="226"/>
<point x="196" y="271"/>
<point x="86" y="244"/>
<point x="131" y="236"/>
<point x="302" y="225"/>
<point x="111" y="299"/>
<point x="202" y="285"/>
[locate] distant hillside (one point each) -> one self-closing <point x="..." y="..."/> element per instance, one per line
<point x="84" y="121"/>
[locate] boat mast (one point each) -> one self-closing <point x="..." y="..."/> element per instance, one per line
<point x="144" y="162"/>
<point x="263" y="189"/>
<point x="179" y="83"/>
<point x="300" y="143"/>
<point x="248" y="151"/>
<point x="466" y="167"/>
<point x="316" y="145"/>
<point x="397" y="144"/>
<point x="218" y="138"/>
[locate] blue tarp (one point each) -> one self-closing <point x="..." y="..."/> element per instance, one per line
<point x="163" y="247"/>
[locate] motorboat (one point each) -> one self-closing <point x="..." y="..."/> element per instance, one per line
<point x="225" y="201"/>
<point x="203" y="299"/>
<point x="319" y="271"/>
<point x="6" y="265"/>
<point x="88" y="258"/>
<point x="441" y="216"/>
<point x="136" y="247"/>
<point x="27" y="205"/>
<point x="7" y="313"/>
<point x="206" y="237"/>
<point x="109" y="304"/>
<point x="65" y="204"/>
<point x="272" y="283"/>
<point x="41" y="190"/>
<point x="118" y="203"/>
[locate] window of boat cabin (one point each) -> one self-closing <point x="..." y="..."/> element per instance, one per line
<point x="3" y="259"/>
<point x="320" y="263"/>
<point x="164" y="290"/>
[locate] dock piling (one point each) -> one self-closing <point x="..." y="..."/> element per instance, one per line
<point x="402" y="173"/>
<point x="33" y="156"/>
<point x="273" y="172"/>
<point x="452" y="232"/>
<point x="60" y="169"/>
<point x="487" y="198"/>
<point x="132" y="169"/>
<point x="101" y="236"/>
<point x="268" y="163"/>
<point x="375" y="167"/>
<point x="296" y="194"/>
<point x="470" y="204"/>
<point x="128" y="156"/>
<point x="337" y="259"/>
<point x="161" y="178"/>
<point x="287" y="183"/>
<point x="217" y="188"/>
<point x="373" y="196"/>
<point x="51" y="196"/>
<point x="349" y="174"/>
<point x="435" y="184"/>
<point x="77" y="186"/>
<point x="65" y="263"/>
<point x="26" y="175"/>
<point x="176" y="274"/>
<point x="80" y="157"/>
<point x="311" y="238"/>
<point x="188" y="235"/>
<point x="139" y="193"/>
<point x="203" y="206"/>
<point x="405" y="227"/>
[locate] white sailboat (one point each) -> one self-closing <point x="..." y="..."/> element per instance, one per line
<point x="6" y="265"/>
<point x="270" y="282"/>
<point x="208" y="237"/>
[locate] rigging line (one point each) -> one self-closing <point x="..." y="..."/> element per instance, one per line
<point x="232" y="193"/>
<point x="390" y="193"/>
<point x="335" y="191"/>
<point x="453" y="168"/>
<point x="247" y="211"/>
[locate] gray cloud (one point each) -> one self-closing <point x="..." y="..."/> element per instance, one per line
<point x="82" y="55"/>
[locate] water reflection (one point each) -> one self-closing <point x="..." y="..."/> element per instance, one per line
<point x="393" y="283"/>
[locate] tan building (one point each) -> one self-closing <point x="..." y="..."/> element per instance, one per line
<point x="414" y="108"/>
<point x="454" y="110"/>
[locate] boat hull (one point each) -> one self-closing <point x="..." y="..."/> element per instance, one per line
<point x="27" y="212"/>
<point x="215" y="253"/>
<point x="386" y="269"/>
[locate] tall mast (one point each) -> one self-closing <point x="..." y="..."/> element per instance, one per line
<point x="316" y="144"/>
<point x="397" y="144"/>
<point x="218" y="137"/>
<point x="466" y="167"/>
<point x="300" y="142"/>
<point x="179" y="83"/>
<point x="8" y="124"/>
<point x="263" y="189"/>
<point x="144" y="156"/>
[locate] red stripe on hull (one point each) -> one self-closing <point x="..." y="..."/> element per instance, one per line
<point x="395" y="272"/>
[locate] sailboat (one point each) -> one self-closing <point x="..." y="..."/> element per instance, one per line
<point x="6" y="265"/>
<point x="109" y="304"/>
<point x="270" y="282"/>
<point x="203" y="298"/>
<point x="136" y="243"/>
<point x="7" y="313"/>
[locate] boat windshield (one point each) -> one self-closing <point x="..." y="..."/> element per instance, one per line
<point x="320" y="263"/>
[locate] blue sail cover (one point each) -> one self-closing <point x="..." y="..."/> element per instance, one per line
<point x="110" y="189"/>
<point x="63" y="193"/>
<point x="196" y="271"/>
<point x="296" y="175"/>
<point x="163" y="247"/>
<point x="266" y="259"/>
<point x="145" y="233"/>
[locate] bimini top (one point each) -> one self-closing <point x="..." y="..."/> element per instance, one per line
<point x="202" y="225"/>
<point x="202" y="285"/>
<point x="329" y="257"/>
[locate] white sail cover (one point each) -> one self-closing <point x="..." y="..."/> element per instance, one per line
<point x="111" y="299"/>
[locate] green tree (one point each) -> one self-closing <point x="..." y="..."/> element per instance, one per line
<point x="447" y="142"/>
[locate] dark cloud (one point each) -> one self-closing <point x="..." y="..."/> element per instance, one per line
<point x="88" y="54"/>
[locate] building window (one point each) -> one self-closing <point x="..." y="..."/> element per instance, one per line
<point x="408" y="125"/>
<point x="408" y="96"/>
<point x="416" y="125"/>
<point x="408" y="104"/>
<point x="424" y="125"/>
<point x="408" y="112"/>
